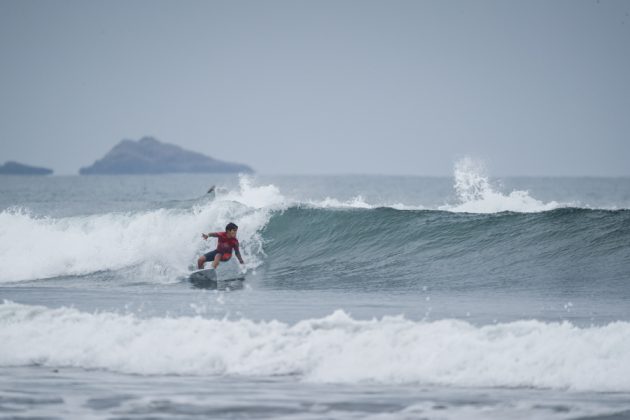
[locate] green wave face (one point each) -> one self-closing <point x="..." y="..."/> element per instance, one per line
<point x="390" y="249"/>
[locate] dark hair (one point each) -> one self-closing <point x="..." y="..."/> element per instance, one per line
<point x="231" y="226"/>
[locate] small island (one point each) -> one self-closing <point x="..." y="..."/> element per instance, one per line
<point x="150" y="156"/>
<point x="15" y="168"/>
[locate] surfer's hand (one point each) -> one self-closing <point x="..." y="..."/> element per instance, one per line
<point x="204" y="236"/>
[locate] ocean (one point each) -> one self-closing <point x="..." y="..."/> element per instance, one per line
<point x="378" y="297"/>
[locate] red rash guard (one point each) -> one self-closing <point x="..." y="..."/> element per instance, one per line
<point x="225" y="245"/>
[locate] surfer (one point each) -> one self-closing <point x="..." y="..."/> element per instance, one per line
<point x="227" y="243"/>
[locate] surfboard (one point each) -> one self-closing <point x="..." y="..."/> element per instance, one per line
<point x="207" y="279"/>
<point x="204" y="274"/>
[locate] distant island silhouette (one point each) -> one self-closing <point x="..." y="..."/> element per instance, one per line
<point x="150" y="156"/>
<point x="15" y="168"/>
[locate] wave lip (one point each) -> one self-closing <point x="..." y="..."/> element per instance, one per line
<point x="336" y="348"/>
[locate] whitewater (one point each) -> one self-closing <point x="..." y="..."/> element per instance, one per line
<point x="398" y="297"/>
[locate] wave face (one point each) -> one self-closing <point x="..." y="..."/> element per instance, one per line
<point x="335" y="348"/>
<point x="385" y="248"/>
<point x="309" y="247"/>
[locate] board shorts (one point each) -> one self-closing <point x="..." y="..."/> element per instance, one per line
<point x="210" y="256"/>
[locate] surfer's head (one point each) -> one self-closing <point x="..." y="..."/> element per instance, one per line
<point x="231" y="229"/>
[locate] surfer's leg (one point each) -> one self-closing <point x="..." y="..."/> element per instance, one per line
<point x="209" y="256"/>
<point x="217" y="259"/>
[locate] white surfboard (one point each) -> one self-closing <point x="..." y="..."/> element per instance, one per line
<point x="207" y="278"/>
<point x="205" y="274"/>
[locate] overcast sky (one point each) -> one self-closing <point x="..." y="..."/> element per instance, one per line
<point x="322" y="87"/>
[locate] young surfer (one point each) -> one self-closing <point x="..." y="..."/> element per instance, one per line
<point x="227" y="243"/>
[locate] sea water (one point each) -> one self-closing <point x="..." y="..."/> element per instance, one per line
<point x="463" y="297"/>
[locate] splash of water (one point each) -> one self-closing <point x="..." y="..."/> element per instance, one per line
<point x="476" y="194"/>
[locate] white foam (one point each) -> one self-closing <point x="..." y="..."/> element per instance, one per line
<point x="357" y="202"/>
<point x="476" y="195"/>
<point x="159" y="243"/>
<point x="336" y="348"/>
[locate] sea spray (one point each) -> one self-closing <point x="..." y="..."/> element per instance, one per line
<point x="476" y="194"/>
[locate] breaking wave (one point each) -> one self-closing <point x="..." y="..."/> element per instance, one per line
<point x="511" y="233"/>
<point x="336" y="348"/>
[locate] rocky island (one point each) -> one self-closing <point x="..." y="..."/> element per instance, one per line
<point x="15" y="168"/>
<point x="150" y="156"/>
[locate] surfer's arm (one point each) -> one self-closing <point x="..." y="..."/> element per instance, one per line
<point x="211" y="234"/>
<point x="238" y="255"/>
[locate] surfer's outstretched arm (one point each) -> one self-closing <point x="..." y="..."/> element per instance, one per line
<point x="238" y="255"/>
<point x="211" y="234"/>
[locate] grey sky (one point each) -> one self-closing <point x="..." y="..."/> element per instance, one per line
<point x="389" y="87"/>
